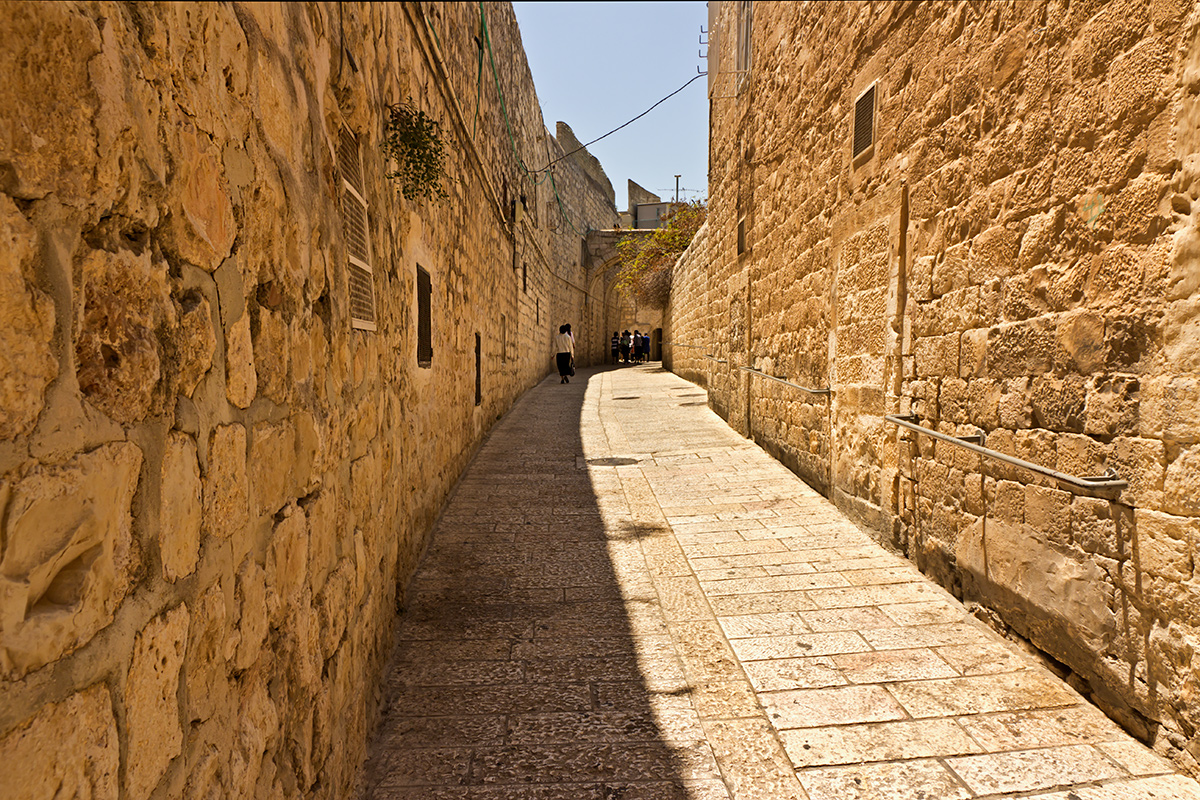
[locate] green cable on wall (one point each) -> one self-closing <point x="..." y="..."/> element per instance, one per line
<point x="508" y="124"/>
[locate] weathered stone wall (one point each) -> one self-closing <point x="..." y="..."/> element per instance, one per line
<point x="579" y="202"/>
<point x="1016" y="253"/>
<point x="213" y="488"/>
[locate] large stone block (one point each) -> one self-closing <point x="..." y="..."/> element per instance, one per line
<point x="272" y="456"/>
<point x="154" y="735"/>
<point x="1016" y="411"/>
<point x="69" y="750"/>
<point x="194" y="343"/>
<point x="1183" y="279"/>
<point x="49" y="137"/>
<point x="180" y="507"/>
<point x="334" y="606"/>
<point x="1170" y="409"/>
<point x="1101" y="527"/>
<point x="1081" y="341"/>
<point x="1021" y="348"/>
<point x="1166" y="544"/>
<point x="1181" y="487"/>
<point x="953" y="401"/>
<point x="209" y="648"/>
<point x="1039" y="239"/>
<point x="272" y="346"/>
<point x="1058" y="405"/>
<point x="993" y="254"/>
<point x="226" y="505"/>
<point x="127" y="311"/>
<point x="973" y="353"/>
<point x="1112" y="406"/>
<point x="67" y="555"/>
<point x="1142" y="462"/>
<point x="1068" y="591"/>
<point x="287" y="560"/>
<point x="1138" y="82"/>
<point x="984" y="403"/>
<point x="950" y="271"/>
<point x="937" y="355"/>
<point x="1181" y="334"/>
<point x="27" y="363"/>
<point x="252" y="621"/>
<point x="241" y="380"/>
<point x="1116" y="279"/>
<point x="257" y="729"/>
<point x="200" y="229"/>
<point x="1048" y="513"/>
<point x="1136" y="213"/>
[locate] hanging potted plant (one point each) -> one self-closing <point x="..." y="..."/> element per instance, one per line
<point x="413" y="142"/>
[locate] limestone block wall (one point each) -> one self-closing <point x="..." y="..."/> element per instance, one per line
<point x="214" y="485"/>
<point x="1015" y="253"/>
<point x="579" y="201"/>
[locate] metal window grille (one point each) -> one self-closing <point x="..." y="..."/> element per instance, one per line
<point x="864" y="121"/>
<point x="356" y="233"/>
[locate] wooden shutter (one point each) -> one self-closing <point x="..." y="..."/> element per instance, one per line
<point x="356" y="233"/>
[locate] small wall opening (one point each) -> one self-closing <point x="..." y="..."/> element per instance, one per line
<point x="424" y="319"/>
<point x="478" y="370"/>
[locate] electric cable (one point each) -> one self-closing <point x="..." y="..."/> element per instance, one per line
<point x="549" y="173"/>
<point x="619" y="127"/>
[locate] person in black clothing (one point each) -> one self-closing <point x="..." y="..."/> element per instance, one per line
<point x="564" y="343"/>
<point x="616" y="346"/>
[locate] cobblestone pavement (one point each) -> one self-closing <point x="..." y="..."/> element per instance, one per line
<point x="626" y="599"/>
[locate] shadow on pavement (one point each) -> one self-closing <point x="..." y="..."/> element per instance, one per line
<point x="518" y="669"/>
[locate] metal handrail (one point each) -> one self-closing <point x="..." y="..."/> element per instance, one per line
<point x="786" y="382"/>
<point x="1107" y="482"/>
<point x="678" y="344"/>
<point x="711" y="357"/>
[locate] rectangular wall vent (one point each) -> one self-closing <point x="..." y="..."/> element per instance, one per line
<point x="864" y="121"/>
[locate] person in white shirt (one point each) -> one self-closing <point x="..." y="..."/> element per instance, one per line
<point x="565" y="344"/>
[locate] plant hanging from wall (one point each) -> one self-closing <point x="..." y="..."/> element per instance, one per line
<point x="413" y="141"/>
<point x="646" y="262"/>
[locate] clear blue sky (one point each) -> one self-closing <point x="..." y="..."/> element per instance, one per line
<point x="598" y="65"/>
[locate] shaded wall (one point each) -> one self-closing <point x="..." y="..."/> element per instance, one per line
<point x="215" y="485"/>
<point x="1016" y="253"/>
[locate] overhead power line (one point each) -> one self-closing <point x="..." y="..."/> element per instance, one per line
<point x="619" y="127"/>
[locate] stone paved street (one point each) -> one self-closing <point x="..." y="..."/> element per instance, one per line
<point x="626" y="599"/>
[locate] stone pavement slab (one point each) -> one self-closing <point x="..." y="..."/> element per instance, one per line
<point x="626" y="599"/>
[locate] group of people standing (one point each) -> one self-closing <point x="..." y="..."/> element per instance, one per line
<point x="630" y="348"/>
<point x="627" y="348"/>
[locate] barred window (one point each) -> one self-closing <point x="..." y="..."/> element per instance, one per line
<point x="356" y="233"/>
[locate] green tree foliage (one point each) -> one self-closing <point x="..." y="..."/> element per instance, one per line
<point x="647" y="262"/>
<point x="414" y="143"/>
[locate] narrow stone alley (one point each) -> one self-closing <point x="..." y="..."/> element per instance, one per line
<point x="626" y="599"/>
